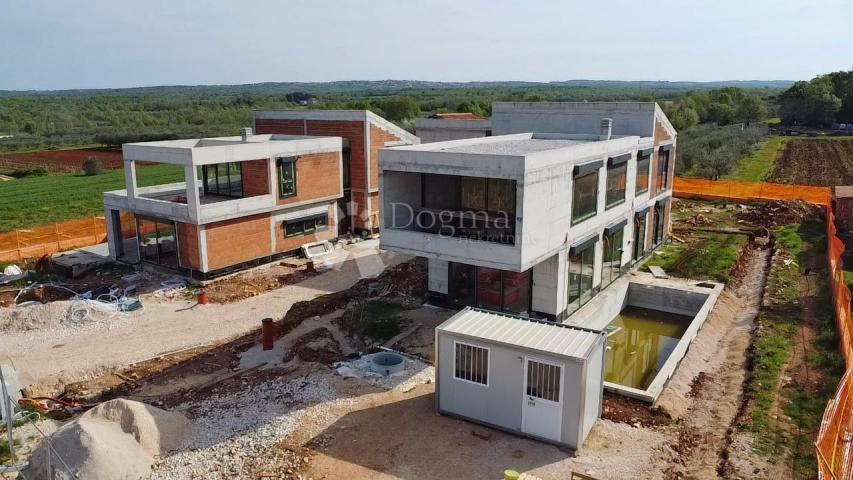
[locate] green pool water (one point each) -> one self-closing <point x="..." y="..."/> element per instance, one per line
<point x="639" y="341"/>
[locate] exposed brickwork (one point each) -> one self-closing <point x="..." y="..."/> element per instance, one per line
<point x="256" y="178"/>
<point x="188" y="252"/>
<point x="378" y="138"/>
<point x="238" y="240"/>
<point x="353" y="132"/>
<point x="318" y="175"/>
<point x="285" y="127"/>
<point x="283" y="244"/>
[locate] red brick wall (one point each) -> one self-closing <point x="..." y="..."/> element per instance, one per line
<point x="285" y="127"/>
<point x="283" y="244"/>
<point x="378" y="138"/>
<point x="255" y="177"/>
<point x="318" y="175"/>
<point x="353" y="131"/>
<point x="188" y="252"/>
<point x="238" y="240"/>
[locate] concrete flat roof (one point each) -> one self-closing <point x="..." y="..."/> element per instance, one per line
<point x="202" y="151"/>
<point x="514" y="146"/>
<point x="514" y="331"/>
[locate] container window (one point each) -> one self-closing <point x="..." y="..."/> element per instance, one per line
<point x="472" y="363"/>
<point x="543" y="381"/>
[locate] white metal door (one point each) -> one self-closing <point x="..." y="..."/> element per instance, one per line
<point x="542" y="410"/>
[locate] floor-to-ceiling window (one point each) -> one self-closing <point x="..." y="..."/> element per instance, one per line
<point x="223" y="179"/>
<point x="662" y="173"/>
<point x="617" y="175"/>
<point x="157" y="241"/>
<point x="640" y="234"/>
<point x="611" y="264"/>
<point x="581" y="270"/>
<point x="659" y="226"/>
<point x="489" y="288"/>
<point x="585" y="192"/>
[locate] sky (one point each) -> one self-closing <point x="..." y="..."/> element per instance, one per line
<point x="63" y="44"/>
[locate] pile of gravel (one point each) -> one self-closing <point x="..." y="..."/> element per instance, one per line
<point x="236" y="431"/>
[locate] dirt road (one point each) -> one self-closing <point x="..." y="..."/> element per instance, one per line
<point x="168" y="326"/>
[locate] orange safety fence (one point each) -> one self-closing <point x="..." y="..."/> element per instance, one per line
<point x="34" y="242"/>
<point x="834" y="443"/>
<point x="728" y="190"/>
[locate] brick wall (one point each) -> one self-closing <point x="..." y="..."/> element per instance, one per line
<point x="188" y="252"/>
<point x="285" y="127"/>
<point x="378" y="138"/>
<point x="256" y="178"/>
<point x="238" y="240"/>
<point x="318" y="175"/>
<point x="283" y="244"/>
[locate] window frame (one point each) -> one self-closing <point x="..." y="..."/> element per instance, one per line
<point x="215" y="168"/>
<point x="456" y="344"/>
<point x="662" y="173"/>
<point x="594" y="212"/>
<point x="303" y="221"/>
<point x="280" y="162"/>
<point x="613" y="164"/>
<point x="580" y="299"/>
<point x="648" y="160"/>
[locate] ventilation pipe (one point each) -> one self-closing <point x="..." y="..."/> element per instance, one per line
<point x="245" y="133"/>
<point x="606" y="128"/>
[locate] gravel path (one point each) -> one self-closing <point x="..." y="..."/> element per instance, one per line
<point x="64" y="355"/>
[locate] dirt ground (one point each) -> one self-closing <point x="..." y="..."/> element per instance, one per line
<point x="814" y="162"/>
<point x="258" y="281"/>
<point x="65" y="161"/>
<point x="55" y="357"/>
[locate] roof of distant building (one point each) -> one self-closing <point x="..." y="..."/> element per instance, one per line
<point x="456" y="116"/>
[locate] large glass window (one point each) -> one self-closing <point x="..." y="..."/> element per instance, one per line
<point x="584" y="196"/>
<point x="286" y="177"/>
<point x="157" y="241"/>
<point x="659" y="227"/>
<point x="306" y="226"/>
<point x="223" y="179"/>
<point x="640" y="235"/>
<point x="473" y="194"/>
<point x="643" y="164"/>
<point x="662" y="173"/>
<point x="489" y="288"/>
<point x="612" y="258"/>
<point x="616" y="178"/>
<point x="581" y="268"/>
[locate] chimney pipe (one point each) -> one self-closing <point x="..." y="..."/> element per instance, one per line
<point x="245" y="133"/>
<point x="606" y="128"/>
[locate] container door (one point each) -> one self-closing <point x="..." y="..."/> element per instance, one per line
<point x="542" y="411"/>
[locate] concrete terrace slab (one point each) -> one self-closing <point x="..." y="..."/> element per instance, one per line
<point x="514" y="146"/>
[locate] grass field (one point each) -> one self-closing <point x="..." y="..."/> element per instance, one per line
<point x="756" y="167"/>
<point x="33" y="201"/>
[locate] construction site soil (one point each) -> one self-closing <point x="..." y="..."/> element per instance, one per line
<point x="822" y="162"/>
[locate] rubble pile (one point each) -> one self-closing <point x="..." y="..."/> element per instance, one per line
<point x="237" y="433"/>
<point x="778" y="213"/>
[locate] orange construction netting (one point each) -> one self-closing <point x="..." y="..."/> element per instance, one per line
<point x="727" y="190"/>
<point x="834" y="444"/>
<point x="34" y="242"/>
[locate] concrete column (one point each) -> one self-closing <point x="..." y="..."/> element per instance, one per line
<point x="193" y="200"/>
<point x="437" y="275"/>
<point x="111" y="236"/>
<point x="130" y="181"/>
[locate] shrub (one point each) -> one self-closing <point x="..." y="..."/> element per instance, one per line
<point x="32" y="172"/>
<point x="92" y="166"/>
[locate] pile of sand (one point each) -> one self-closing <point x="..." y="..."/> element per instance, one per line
<point x="115" y="440"/>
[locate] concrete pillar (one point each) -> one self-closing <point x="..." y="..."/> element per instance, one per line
<point x="130" y="181"/>
<point x="437" y="275"/>
<point x="193" y="200"/>
<point x="111" y="233"/>
<point x="546" y="285"/>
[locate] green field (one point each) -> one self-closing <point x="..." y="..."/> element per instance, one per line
<point x="756" y="167"/>
<point x="32" y="201"/>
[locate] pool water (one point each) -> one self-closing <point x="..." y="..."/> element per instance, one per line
<point x="639" y="340"/>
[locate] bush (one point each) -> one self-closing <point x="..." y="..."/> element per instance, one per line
<point x="33" y="172"/>
<point x="92" y="166"/>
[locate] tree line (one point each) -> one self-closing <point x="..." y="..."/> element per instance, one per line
<point x="820" y="102"/>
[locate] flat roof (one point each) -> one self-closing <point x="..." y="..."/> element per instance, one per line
<point x="515" y="331"/>
<point x="514" y="146"/>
